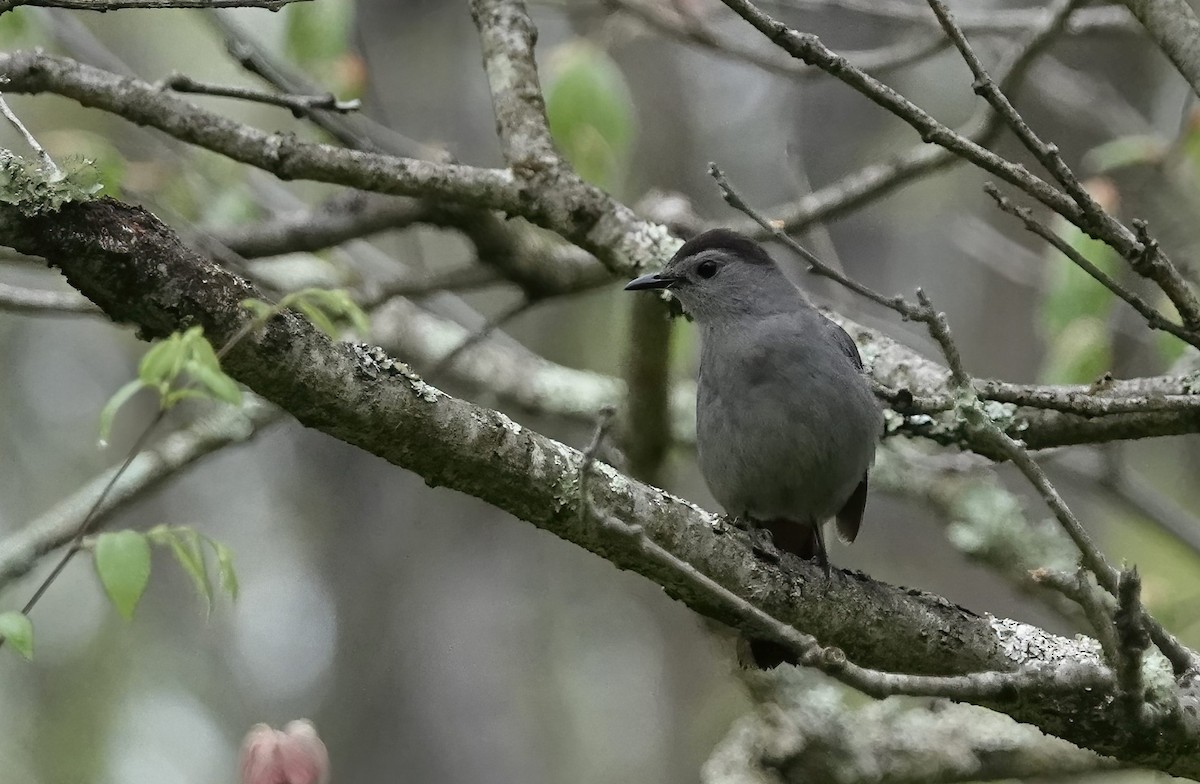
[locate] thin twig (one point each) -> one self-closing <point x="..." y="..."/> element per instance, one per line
<point x="858" y="188"/>
<point x="1154" y="318"/>
<point x="1082" y="589"/>
<point x="989" y="21"/>
<point x="86" y="524"/>
<point x="493" y="323"/>
<point x="984" y="86"/>
<point x="30" y="139"/>
<point x="40" y="302"/>
<point x="1147" y="261"/>
<point x="692" y="30"/>
<point x="299" y="105"/>
<point x="118" y="5"/>
<point x="356" y="131"/>
<point x="815" y="265"/>
<point x="1132" y="641"/>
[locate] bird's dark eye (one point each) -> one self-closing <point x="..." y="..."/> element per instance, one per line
<point x="706" y="269"/>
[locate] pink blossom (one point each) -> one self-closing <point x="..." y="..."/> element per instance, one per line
<point x="294" y="755"/>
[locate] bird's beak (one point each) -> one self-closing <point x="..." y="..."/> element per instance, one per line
<point x="655" y="280"/>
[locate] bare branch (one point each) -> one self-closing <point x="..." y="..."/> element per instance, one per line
<point x="30" y="139"/>
<point x="808" y="47"/>
<point x="1174" y="27"/>
<point x="352" y="216"/>
<point x="117" y="5"/>
<point x="38" y="302"/>
<point x="357" y="130"/>
<point x="1153" y="317"/>
<point x="692" y="30"/>
<point x="1133" y="641"/>
<point x="813" y="733"/>
<point x="20" y="551"/>
<point x="1148" y="261"/>
<point x="299" y="105"/>
<point x="480" y="334"/>
<point x="282" y="154"/>
<point x="874" y="181"/>
<point x="990" y="21"/>
<point x="507" y="36"/>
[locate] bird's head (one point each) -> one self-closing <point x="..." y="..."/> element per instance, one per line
<point x="721" y="275"/>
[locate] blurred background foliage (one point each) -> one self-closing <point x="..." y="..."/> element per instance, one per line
<point x="430" y="637"/>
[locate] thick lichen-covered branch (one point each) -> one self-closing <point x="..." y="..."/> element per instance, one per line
<point x="138" y="272"/>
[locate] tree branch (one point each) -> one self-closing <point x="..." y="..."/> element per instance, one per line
<point x="812" y="735"/>
<point x="117" y="5"/>
<point x="578" y="212"/>
<point x="1174" y="27"/>
<point x="808" y="47"/>
<point x="20" y="551"/>
<point x="137" y="271"/>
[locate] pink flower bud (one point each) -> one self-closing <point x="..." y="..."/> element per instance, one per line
<point x="294" y="755"/>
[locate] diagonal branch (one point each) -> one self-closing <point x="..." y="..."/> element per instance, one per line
<point x="280" y="153"/>
<point x="141" y="273"/>
<point x="581" y="213"/>
<point x="507" y="36"/>
<point x="1174" y="27"/>
<point x="809" y="48"/>
<point x="858" y="188"/>
<point x="1149" y="262"/>
<point x="117" y="5"/>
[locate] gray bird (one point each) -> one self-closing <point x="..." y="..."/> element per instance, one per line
<point x="786" y="423"/>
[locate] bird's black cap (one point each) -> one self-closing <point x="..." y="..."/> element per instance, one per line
<point x="725" y="239"/>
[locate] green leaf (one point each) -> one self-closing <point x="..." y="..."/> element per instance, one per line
<point x="1079" y="354"/>
<point x="160" y="535"/>
<point x="205" y="369"/>
<point x="220" y="385"/>
<point x="185" y="546"/>
<point x="261" y="311"/>
<point x="318" y="317"/>
<point x="1125" y="151"/>
<point x="175" y="396"/>
<point x="318" y="31"/>
<point x="163" y="361"/>
<point x="590" y="111"/>
<point x="15" y="29"/>
<point x="225" y="570"/>
<point x="17" y="631"/>
<point x="114" y="404"/>
<point x="327" y="308"/>
<point x="1072" y="293"/>
<point x="123" y="563"/>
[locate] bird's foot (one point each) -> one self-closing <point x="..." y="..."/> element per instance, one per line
<point x="761" y="542"/>
<point x="739" y="522"/>
<point x="821" y="556"/>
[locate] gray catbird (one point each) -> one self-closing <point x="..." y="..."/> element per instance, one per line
<point x="786" y="422"/>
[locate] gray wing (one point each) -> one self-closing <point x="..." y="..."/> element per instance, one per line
<point x="849" y="519"/>
<point x="845" y="343"/>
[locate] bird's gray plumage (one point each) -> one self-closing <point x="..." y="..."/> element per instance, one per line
<point x="786" y="422"/>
